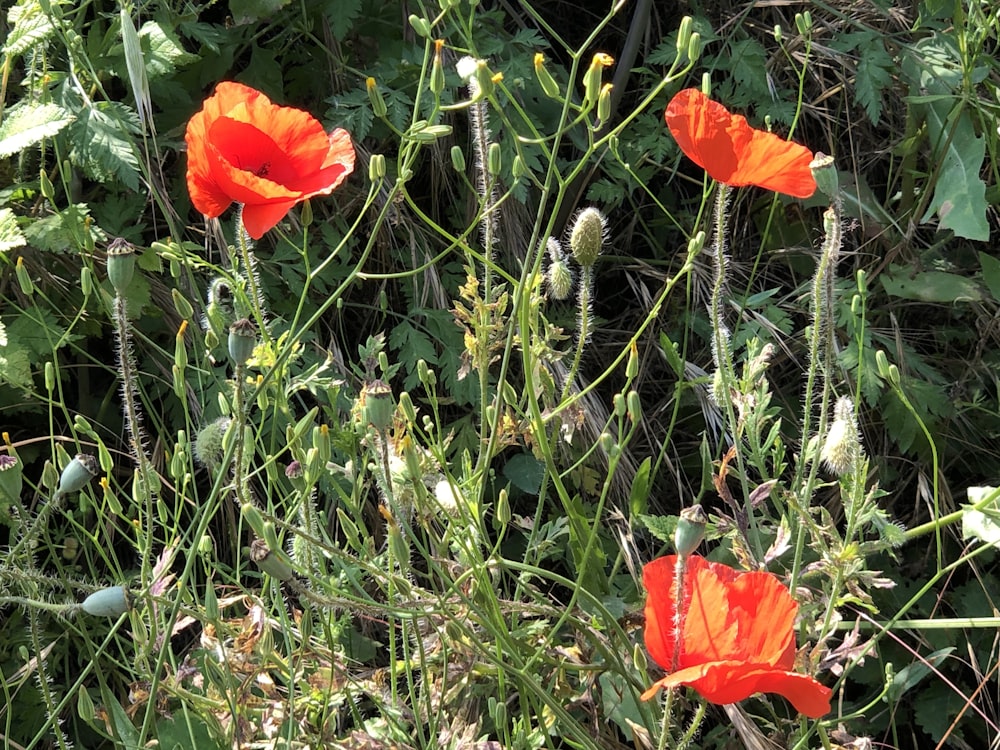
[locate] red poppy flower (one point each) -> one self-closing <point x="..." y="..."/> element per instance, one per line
<point x="732" y="152"/>
<point x="737" y="636"/>
<point x="243" y="148"/>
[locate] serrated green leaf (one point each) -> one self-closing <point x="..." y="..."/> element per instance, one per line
<point x="412" y="345"/>
<point x="341" y="15"/>
<point x="31" y="26"/>
<point x="101" y="146"/>
<point x="662" y="527"/>
<point x="27" y="124"/>
<point x="162" y="50"/>
<point x="873" y="77"/>
<point x="10" y="233"/>
<point x="15" y="366"/>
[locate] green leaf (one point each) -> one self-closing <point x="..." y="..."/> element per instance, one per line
<point x="525" y="472"/>
<point x="930" y="286"/>
<point x="908" y="677"/>
<point x="873" y="77"/>
<point x="101" y="146"/>
<point x="251" y="11"/>
<point x="341" y="15"/>
<point x="31" y="26"/>
<point x="662" y="527"/>
<point x="10" y="233"/>
<point x="412" y="345"/>
<point x="15" y="366"/>
<point x="27" y="124"/>
<point x="991" y="274"/>
<point x="982" y="524"/>
<point x="162" y="50"/>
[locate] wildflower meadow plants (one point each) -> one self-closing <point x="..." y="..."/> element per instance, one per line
<point x="328" y="433"/>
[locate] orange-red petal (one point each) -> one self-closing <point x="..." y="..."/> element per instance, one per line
<point x="732" y="152"/>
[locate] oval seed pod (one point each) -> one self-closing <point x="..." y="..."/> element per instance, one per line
<point x="78" y="474"/>
<point x="109" y="602"/>
<point x="121" y="264"/>
<point x="242" y="340"/>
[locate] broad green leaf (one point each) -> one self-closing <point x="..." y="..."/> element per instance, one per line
<point x="930" y="286"/>
<point x="27" y="124"/>
<point x="525" y="472"/>
<point x="908" y="677"/>
<point x="251" y="11"/>
<point x="10" y="233"/>
<point x="162" y="50"/>
<point x="991" y="274"/>
<point x="982" y="524"/>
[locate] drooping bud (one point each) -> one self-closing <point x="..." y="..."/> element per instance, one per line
<point x="558" y="275"/>
<point x="78" y="474"/>
<point x="842" y="448"/>
<point x="121" y="264"/>
<point x="549" y="86"/>
<point x="586" y="238"/>
<point x="242" y="340"/>
<point x="458" y="159"/>
<point x="690" y="530"/>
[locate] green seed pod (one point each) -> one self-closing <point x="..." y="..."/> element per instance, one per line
<point x="619" y="405"/>
<point x="322" y="443"/>
<point x="274" y="563"/>
<point x="803" y="22"/>
<point x="604" y="104"/>
<point x="690" y="530"/>
<point x="45" y="185"/>
<point x="110" y="602"/>
<point x="586" y="238"/>
<point x="696" y="243"/>
<point x="375" y="97"/>
<point x="425" y="374"/>
<point x="484" y="77"/>
<point x="825" y="173"/>
<point x="86" y="281"/>
<point x="23" y="277"/>
<point x="50" y="376"/>
<point x="242" y="340"/>
<point x="632" y="364"/>
<point x="306" y="215"/>
<point x="78" y="474"/>
<point x="121" y="264"/>
<point x="518" y="169"/>
<point x="458" y="159"/>
<point x="684" y="34"/>
<point x="376" y="167"/>
<point x="549" y="86"/>
<point x="494" y="161"/>
<point x="421" y="25"/>
<point x="379" y="405"/>
<point x="398" y="545"/>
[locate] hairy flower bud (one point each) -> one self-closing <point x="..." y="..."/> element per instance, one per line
<point x="842" y="447"/>
<point x="587" y="236"/>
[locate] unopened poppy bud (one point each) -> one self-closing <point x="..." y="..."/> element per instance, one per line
<point x="592" y="77"/>
<point x="694" y="47"/>
<point x="407" y="407"/>
<point x="604" y="104"/>
<point x="458" y="159"/>
<point x="842" y="447"/>
<point x="690" y="530"/>
<point x="306" y="217"/>
<point x="181" y="304"/>
<point x="242" y="340"/>
<point x="778" y="34"/>
<point x="209" y="449"/>
<point x="78" y="474"/>
<point x="375" y="97"/>
<point x="379" y="405"/>
<point x="684" y="34"/>
<point x="376" y="167"/>
<point x="518" y="169"/>
<point x="50" y="376"/>
<point x="180" y="348"/>
<point x="322" y="443"/>
<point x="825" y="173"/>
<point x="437" y="70"/>
<point x="503" y="513"/>
<point x="425" y="374"/>
<point x="696" y="243"/>
<point x="494" y="161"/>
<point x="421" y="25"/>
<point x="23" y="277"/>
<point x="618" y="405"/>
<point x="275" y="564"/>
<point x="586" y="238"/>
<point x="121" y="264"/>
<point x="560" y="279"/>
<point x="549" y="86"/>
<point x="86" y="281"/>
<point x="45" y="185"/>
<point x="108" y="602"/>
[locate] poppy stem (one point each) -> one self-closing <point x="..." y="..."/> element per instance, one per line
<point x="679" y="610"/>
<point x="249" y="265"/>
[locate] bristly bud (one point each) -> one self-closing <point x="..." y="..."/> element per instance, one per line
<point x="379" y="405"/>
<point x="690" y="530"/>
<point x="592" y="77"/>
<point x="842" y="448"/>
<point x="78" y="474"/>
<point x="209" y="448"/>
<point x="121" y="264"/>
<point x="437" y="70"/>
<point x="549" y="86"/>
<point x="586" y="238"/>
<point x="242" y="340"/>
<point x="825" y="173"/>
<point x="558" y="274"/>
<point x="375" y="97"/>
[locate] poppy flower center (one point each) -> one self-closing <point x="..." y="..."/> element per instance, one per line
<point x="250" y="150"/>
